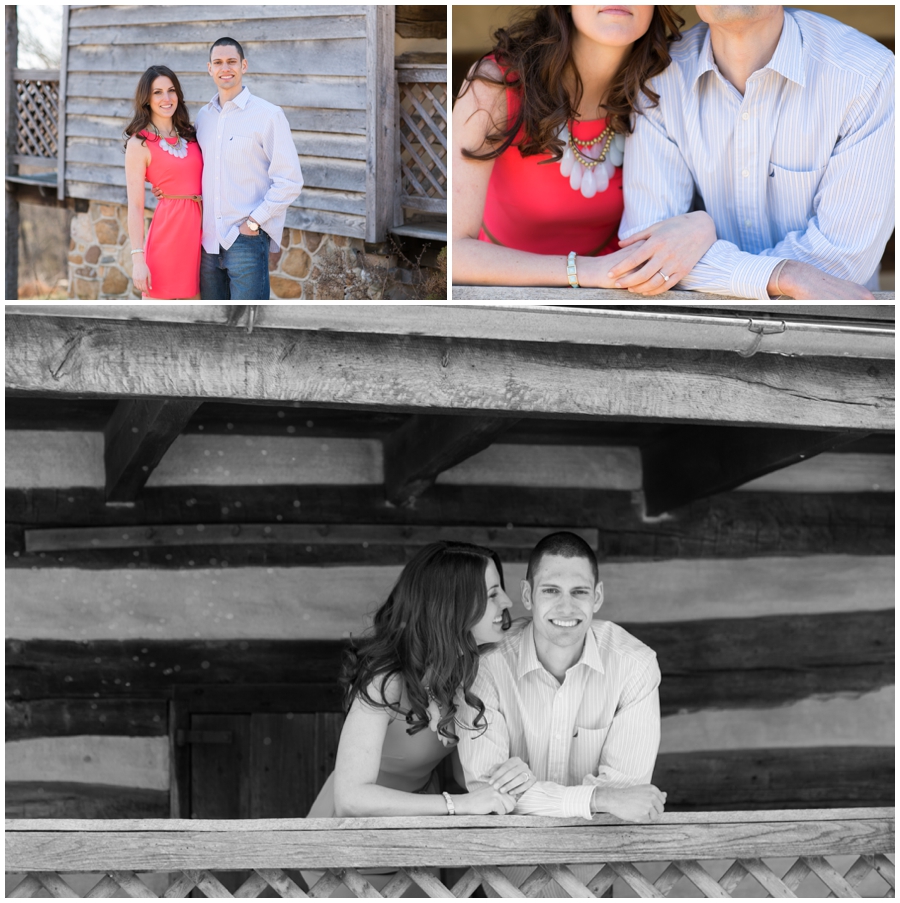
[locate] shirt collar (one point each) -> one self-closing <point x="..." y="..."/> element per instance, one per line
<point x="528" y="660"/>
<point x="241" y="100"/>
<point x="788" y="60"/>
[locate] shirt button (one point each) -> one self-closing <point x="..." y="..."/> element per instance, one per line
<point x="745" y="173"/>
<point x="745" y="116"/>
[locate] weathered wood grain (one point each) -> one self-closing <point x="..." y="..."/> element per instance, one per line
<point x="97" y="358"/>
<point x="88" y="16"/>
<point x="381" y="122"/>
<point x="827" y="776"/>
<point x="691" y="463"/>
<point x="843" y="471"/>
<point x="252" y="30"/>
<point x="136" y="437"/>
<point x="720" y="664"/>
<point x="163" y="850"/>
<point x="732" y="525"/>
<point x="60" y="799"/>
<point x="422" y="21"/>
<point x="651" y="327"/>
<point x="295" y="52"/>
<point x="425" y="446"/>
<point x="70" y="717"/>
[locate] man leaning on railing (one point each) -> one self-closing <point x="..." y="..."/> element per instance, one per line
<point x="576" y="700"/>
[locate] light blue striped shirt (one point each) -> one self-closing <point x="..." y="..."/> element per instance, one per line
<point x="250" y="168"/>
<point x="800" y="168"/>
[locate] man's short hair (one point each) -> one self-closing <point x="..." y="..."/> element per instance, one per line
<point x="566" y="545"/>
<point x="227" y="42"/>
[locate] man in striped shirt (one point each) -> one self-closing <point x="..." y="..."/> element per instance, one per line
<point x="575" y="699"/>
<point x="251" y="175"/>
<point x="781" y="121"/>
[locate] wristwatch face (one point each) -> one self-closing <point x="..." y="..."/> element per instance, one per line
<point x="253" y="226"/>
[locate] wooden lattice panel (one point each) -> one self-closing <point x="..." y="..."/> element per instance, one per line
<point x="423" y="145"/>
<point x="679" y="878"/>
<point x="37" y="117"/>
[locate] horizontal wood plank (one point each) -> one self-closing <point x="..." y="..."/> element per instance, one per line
<point x="137" y="850"/>
<point x="64" y="355"/>
<point x="90" y="16"/>
<point x="651" y="327"/>
<point x="720" y="664"/>
<point x="99" y="716"/>
<point x="829" y="776"/>
<point x="67" y="799"/>
<point x="732" y="525"/>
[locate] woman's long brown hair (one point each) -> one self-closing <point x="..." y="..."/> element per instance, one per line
<point x="422" y="634"/>
<point x="535" y="54"/>
<point x="142" y="118"/>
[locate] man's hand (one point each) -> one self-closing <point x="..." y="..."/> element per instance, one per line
<point x="644" y="803"/>
<point x="156" y="191"/>
<point x="246" y="230"/>
<point x="513" y="776"/>
<point x="805" y="282"/>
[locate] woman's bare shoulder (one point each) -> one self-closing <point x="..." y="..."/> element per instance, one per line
<point x="382" y="692"/>
<point x="135" y="147"/>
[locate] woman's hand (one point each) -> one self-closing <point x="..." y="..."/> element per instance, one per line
<point x="513" y="777"/>
<point x="483" y="802"/>
<point x="672" y="247"/>
<point x="140" y="274"/>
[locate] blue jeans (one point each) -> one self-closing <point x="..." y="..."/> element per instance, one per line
<point x="240" y="273"/>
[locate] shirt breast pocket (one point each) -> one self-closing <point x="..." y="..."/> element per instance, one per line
<point x="790" y="198"/>
<point x="239" y="149"/>
<point x="587" y="744"/>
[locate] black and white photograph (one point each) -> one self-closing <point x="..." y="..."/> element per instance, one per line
<point x="448" y="600"/>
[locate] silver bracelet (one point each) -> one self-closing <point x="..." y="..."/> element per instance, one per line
<point x="451" y="809"/>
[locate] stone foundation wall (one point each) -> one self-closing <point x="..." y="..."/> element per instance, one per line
<point x="310" y="266"/>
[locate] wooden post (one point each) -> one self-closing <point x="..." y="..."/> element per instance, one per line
<point x="381" y="120"/>
<point x="12" y="169"/>
<point x="63" y="80"/>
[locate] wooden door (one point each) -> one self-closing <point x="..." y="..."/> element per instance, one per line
<point x="259" y="765"/>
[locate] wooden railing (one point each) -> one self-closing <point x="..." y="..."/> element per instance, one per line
<point x="37" y="116"/>
<point x="539" y="856"/>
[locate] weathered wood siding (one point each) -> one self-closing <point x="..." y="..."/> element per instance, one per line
<point x="310" y="60"/>
<point x="770" y="608"/>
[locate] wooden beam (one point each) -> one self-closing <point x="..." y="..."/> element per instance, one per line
<point x="731" y="525"/>
<point x="137" y="436"/>
<point x="68" y="799"/>
<point x="827" y="776"/>
<point x="718" y="663"/>
<point x="428" y="445"/>
<point x="74" y="717"/>
<point x="381" y="121"/>
<point x="689" y="463"/>
<point x="99" y="358"/>
<point x="689" y="328"/>
<point x="422" y="21"/>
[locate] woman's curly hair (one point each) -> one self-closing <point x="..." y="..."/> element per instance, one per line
<point x="534" y="54"/>
<point x="423" y="635"/>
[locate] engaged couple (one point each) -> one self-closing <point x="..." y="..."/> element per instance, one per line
<point x="223" y="185"/>
<point x="751" y="156"/>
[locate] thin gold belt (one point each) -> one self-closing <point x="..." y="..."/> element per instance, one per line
<point x="185" y="197"/>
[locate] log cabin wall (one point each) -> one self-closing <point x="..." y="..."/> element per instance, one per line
<point x="770" y="608"/>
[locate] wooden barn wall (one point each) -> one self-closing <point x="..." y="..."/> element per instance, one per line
<point x="771" y="608"/>
<point x="309" y="60"/>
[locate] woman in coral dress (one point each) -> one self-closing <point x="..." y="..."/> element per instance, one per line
<point x="161" y="148"/>
<point x="537" y="178"/>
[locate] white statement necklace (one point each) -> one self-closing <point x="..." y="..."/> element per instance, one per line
<point x="178" y="149"/>
<point x="589" y="165"/>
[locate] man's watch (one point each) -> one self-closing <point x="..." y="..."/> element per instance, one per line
<point x="253" y="227"/>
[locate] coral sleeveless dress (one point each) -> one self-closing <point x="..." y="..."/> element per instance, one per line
<point x="531" y="206"/>
<point x="172" y="248"/>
